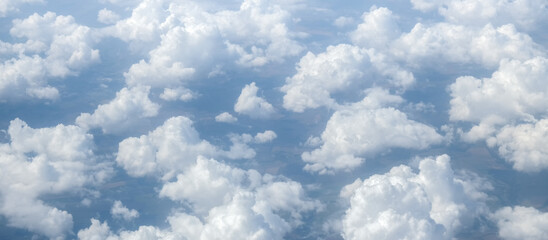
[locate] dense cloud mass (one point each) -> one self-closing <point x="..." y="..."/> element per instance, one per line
<point x="366" y="128"/>
<point x="44" y="161"/>
<point x="431" y="204"/>
<point x="263" y="119"/>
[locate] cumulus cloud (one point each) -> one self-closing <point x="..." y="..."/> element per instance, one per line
<point x="56" y="46"/>
<point x="515" y="92"/>
<point x="125" y="110"/>
<point x="338" y="69"/>
<point x="180" y="93"/>
<point x="193" y="39"/>
<point x="526" y="13"/>
<point x="434" y="203"/>
<point x="12" y="6"/>
<point x="225" y="117"/>
<point x="107" y="16"/>
<point x="523" y="145"/>
<point x="366" y="128"/>
<point x="168" y="149"/>
<point x="250" y="104"/>
<point x="266" y="136"/>
<point x="520" y="222"/>
<point x="45" y="161"/>
<point x="118" y="210"/>
<point x="229" y="203"/>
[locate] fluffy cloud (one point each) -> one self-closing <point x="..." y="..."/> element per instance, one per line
<point x="401" y="204"/>
<point x="225" y="117"/>
<point x="366" y="128"/>
<point x="118" y="210"/>
<point x="266" y="136"/>
<point x="107" y="17"/>
<point x="179" y="93"/>
<point x="515" y="92"/>
<point x="521" y="223"/>
<point x="525" y="13"/>
<point x="450" y="43"/>
<point x="339" y="68"/>
<point x="229" y="203"/>
<point x="125" y="110"/>
<point x="58" y="47"/>
<point x="250" y="104"/>
<point x="168" y="149"/>
<point x="45" y="161"/>
<point x="195" y="40"/>
<point x="12" y="5"/>
<point x="524" y="145"/>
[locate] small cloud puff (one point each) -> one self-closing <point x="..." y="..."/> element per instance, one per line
<point x="118" y="210"/>
<point x="249" y="104"/>
<point x="107" y="16"/>
<point x="225" y="117"/>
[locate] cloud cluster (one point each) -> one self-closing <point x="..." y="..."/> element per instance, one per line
<point x="193" y="39"/>
<point x="124" y="111"/>
<point x="366" y="128"/>
<point x="45" y="161"/>
<point x="526" y="14"/>
<point x="175" y="145"/>
<point x="520" y="222"/>
<point x="56" y="47"/>
<point x="434" y="203"/>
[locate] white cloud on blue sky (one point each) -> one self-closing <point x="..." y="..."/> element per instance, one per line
<point x="260" y="119"/>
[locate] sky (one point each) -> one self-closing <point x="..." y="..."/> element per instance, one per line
<point x="288" y="119"/>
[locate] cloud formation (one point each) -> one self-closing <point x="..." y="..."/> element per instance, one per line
<point x="434" y="203"/>
<point x="520" y="222"/>
<point x="45" y="161"/>
<point x="366" y="128"/>
<point x="250" y="104"/>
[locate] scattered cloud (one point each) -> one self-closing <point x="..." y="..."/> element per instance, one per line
<point x="225" y="117"/>
<point x="118" y="210"/>
<point x="251" y="105"/>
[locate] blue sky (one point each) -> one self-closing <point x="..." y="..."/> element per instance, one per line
<point x="256" y="119"/>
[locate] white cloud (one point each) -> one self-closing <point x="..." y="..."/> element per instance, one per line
<point x="225" y="117"/>
<point x="58" y="47"/>
<point x="12" y="6"/>
<point x="367" y="128"/>
<point x="118" y="210"/>
<point x="128" y="107"/>
<point x="338" y="69"/>
<point x="167" y="150"/>
<point x="515" y="92"/>
<point x="179" y="93"/>
<point x="250" y="104"/>
<point x="451" y="43"/>
<point x="232" y="203"/>
<point x="378" y="29"/>
<point x="526" y="14"/>
<point x="343" y="21"/>
<point x="45" y="161"/>
<point x="520" y="222"/>
<point x="190" y="40"/>
<point x="524" y="145"/>
<point x="431" y="204"/>
<point x="107" y="16"/>
<point x="229" y="203"/>
<point x="266" y="136"/>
